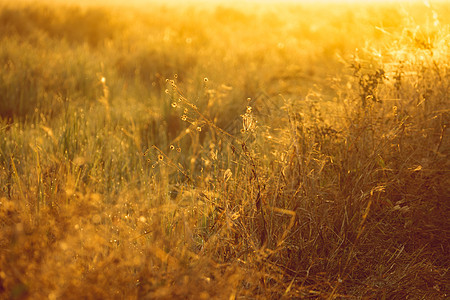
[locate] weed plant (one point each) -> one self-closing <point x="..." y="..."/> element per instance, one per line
<point x="264" y="153"/>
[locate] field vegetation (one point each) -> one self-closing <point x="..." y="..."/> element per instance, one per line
<point x="224" y="152"/>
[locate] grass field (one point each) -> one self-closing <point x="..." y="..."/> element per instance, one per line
<point x="224" y="152"/>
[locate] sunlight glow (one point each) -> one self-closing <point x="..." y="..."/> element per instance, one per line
<point x="236" y="2"/>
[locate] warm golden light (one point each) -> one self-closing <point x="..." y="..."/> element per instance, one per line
<point x="224" y="149"/>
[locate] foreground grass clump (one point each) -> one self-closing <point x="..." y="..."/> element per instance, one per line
<point x="234" y="154"/>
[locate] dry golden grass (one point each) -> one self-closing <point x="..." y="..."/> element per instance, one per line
<point x="263" y="153"/>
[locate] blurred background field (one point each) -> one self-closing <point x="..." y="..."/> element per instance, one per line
<point x="224" y="151"/>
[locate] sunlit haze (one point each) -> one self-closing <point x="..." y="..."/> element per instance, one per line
<point x="224" y="149"/>
<point x="236" y="2"/>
